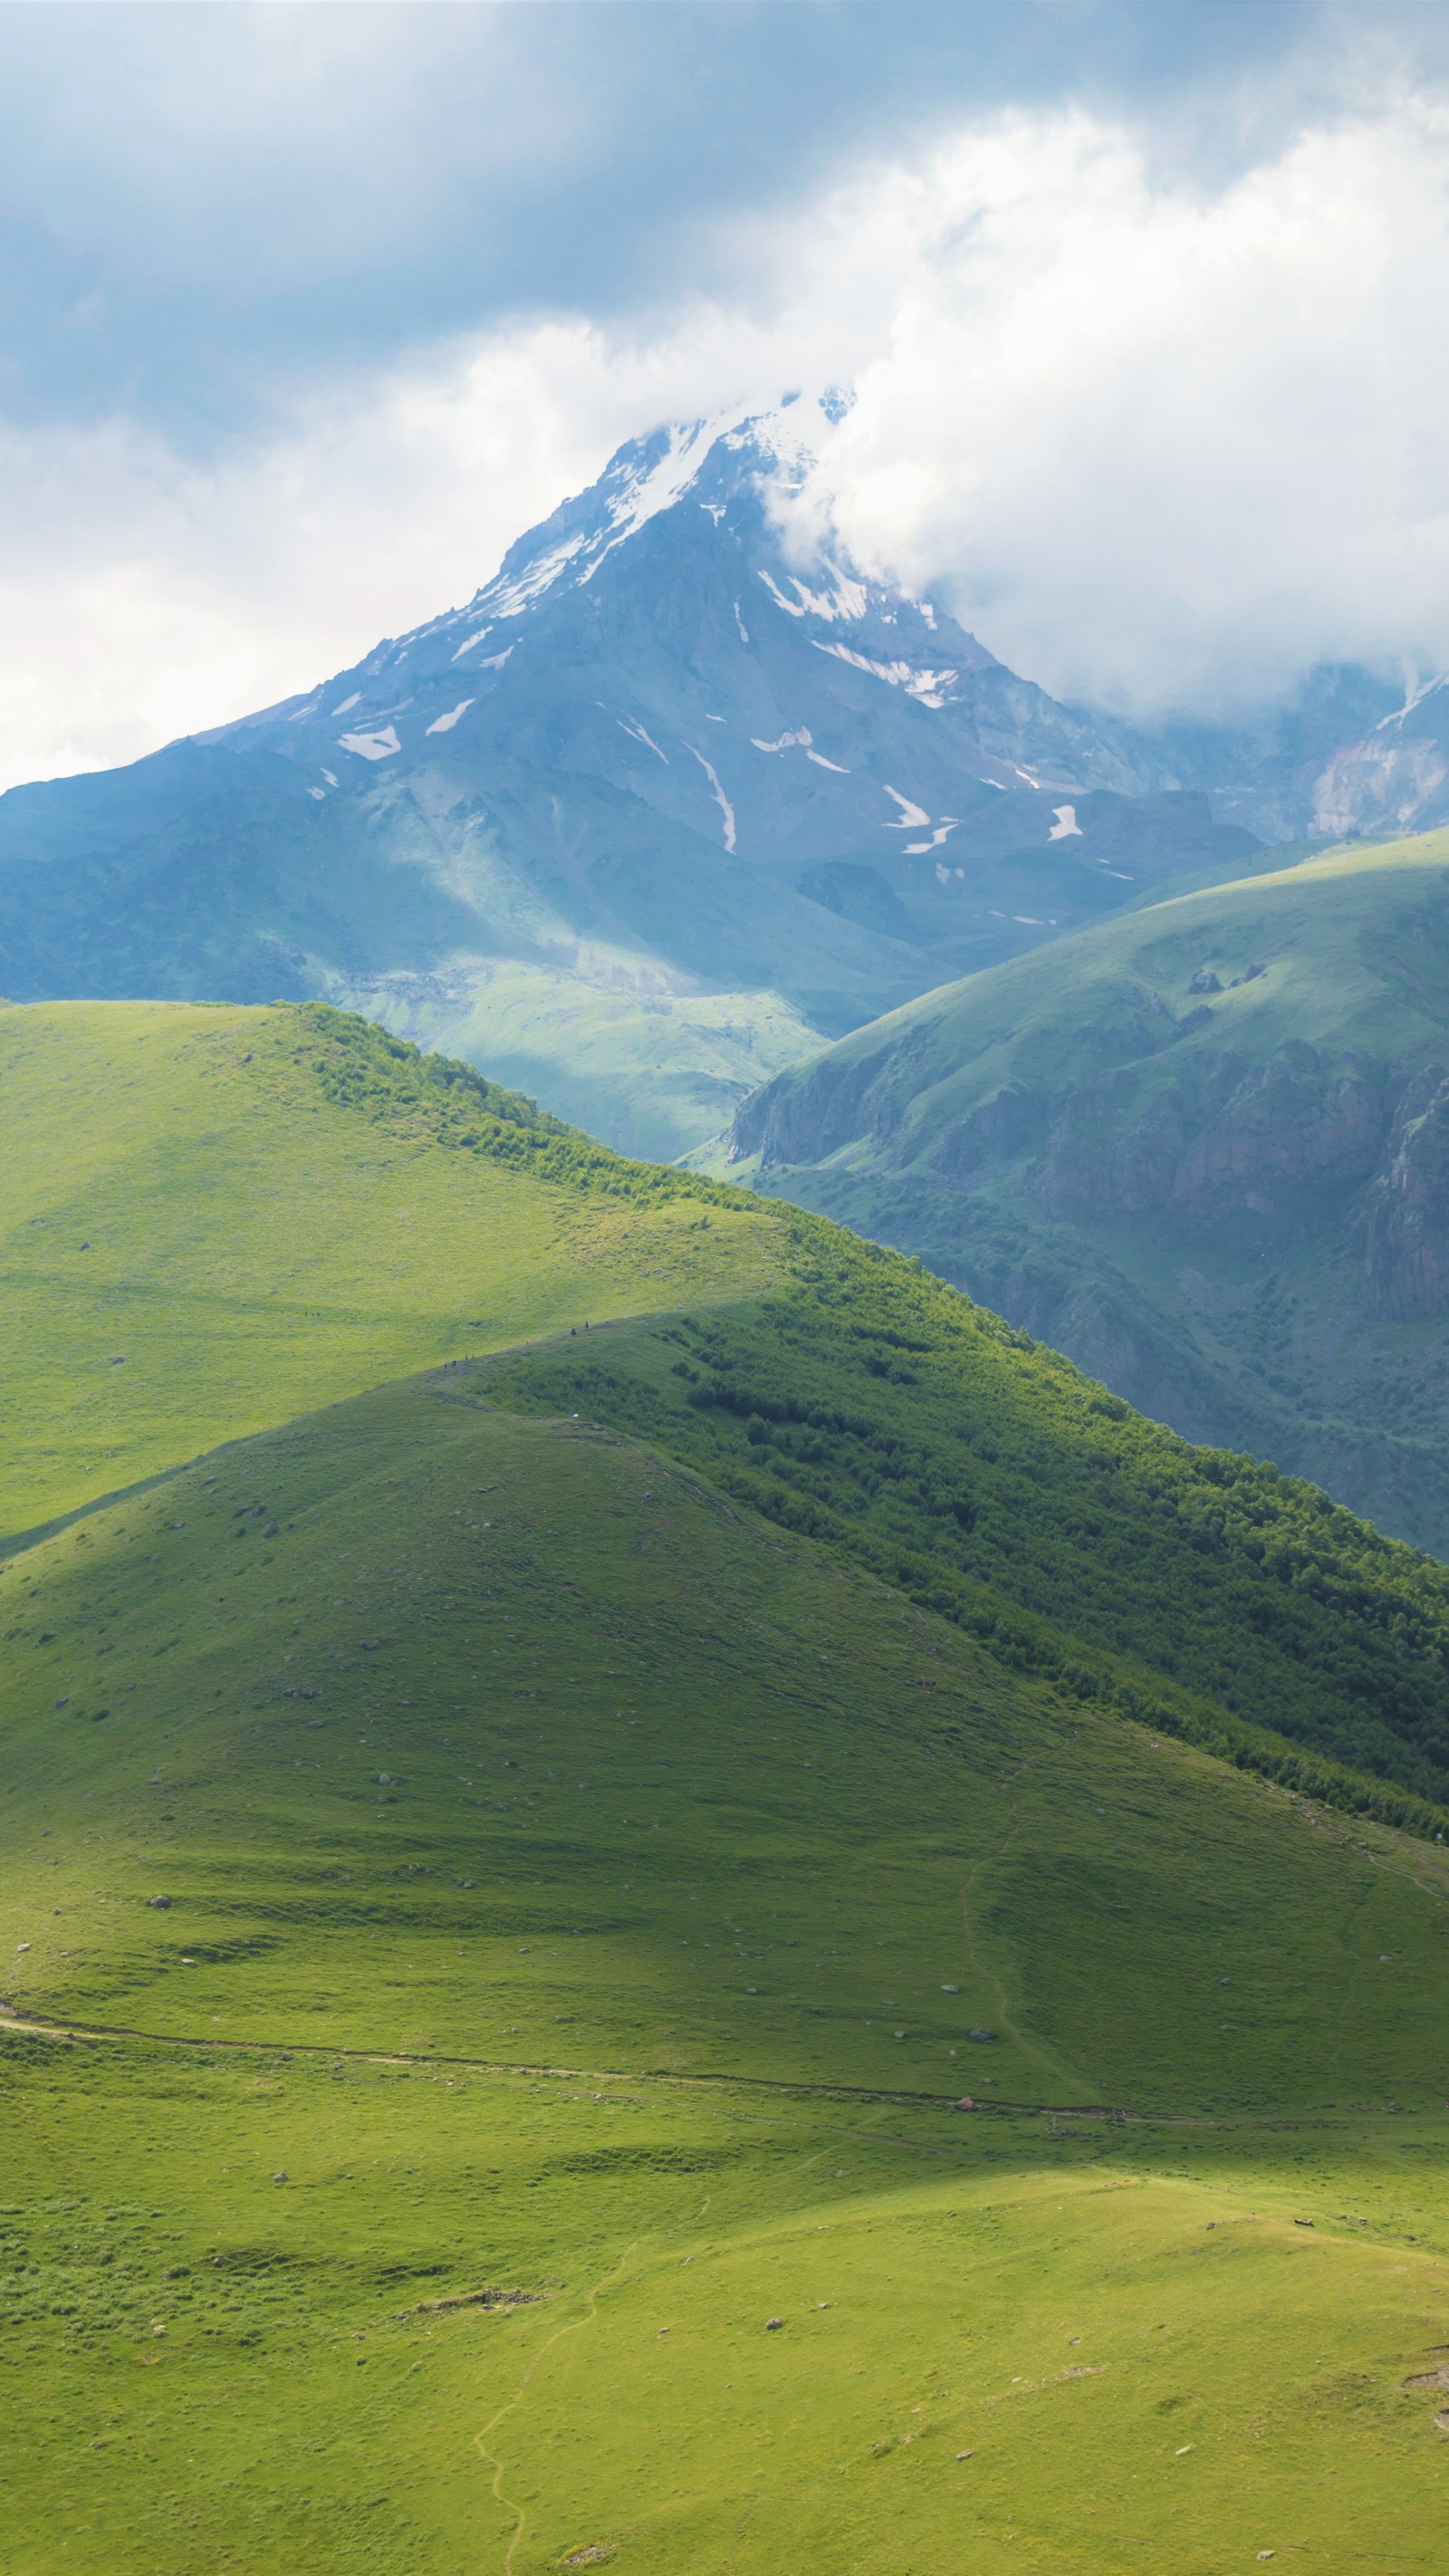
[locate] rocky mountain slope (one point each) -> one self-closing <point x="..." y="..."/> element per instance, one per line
<point x="655" y="812"/>
<point x="1203" y="1148"/>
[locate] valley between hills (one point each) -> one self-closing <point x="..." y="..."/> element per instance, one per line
<point x="508" y="1653"/>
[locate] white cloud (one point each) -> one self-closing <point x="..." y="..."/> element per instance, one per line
<point x="1161" y="446"/>
<point x="1159" y="443"/>
<point x="143" y="597"/>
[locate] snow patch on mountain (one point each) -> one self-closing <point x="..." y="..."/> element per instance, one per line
<point x="848" y="599"/>
<point x="637" y="733"/>
<point x="929" y="686"/>
<point x="912" y="818"/>
<point x="723" y="802"/>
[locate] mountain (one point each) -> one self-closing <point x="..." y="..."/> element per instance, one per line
<point x="659" y="810"/>
<point x="1199" y="1148"/>
<point x="1331" y="763"/>
<point x="462" y="1815"/>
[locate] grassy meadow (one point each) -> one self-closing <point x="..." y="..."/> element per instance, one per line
<point x="202" y="1234"/>
<point x="500" y="2150"/>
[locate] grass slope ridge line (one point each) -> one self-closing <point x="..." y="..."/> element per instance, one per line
<point x="878" y="1411"/>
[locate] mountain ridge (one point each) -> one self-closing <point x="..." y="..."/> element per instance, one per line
<point x="1199" y="1147"/>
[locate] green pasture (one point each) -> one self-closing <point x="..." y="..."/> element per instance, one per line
<point x="595" y="1997"/>
<point x="1146" y="2355"/>
<point x="515" y="1741"/>
<point x="201" y="1233"/>
<point x="499" y="1913"/>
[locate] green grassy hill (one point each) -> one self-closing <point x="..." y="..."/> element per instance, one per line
<point x="215" y="1218"/>
<point x="526" y="2135"/>
<point x="1198" y="1148"/>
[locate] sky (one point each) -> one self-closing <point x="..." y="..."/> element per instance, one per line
<point x="306" y="311"/>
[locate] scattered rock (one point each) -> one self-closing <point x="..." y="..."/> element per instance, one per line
<point x="22" y="1945"/>
<point x="981" y="2034"/>
<point x="965" y="2103"/>
<point x="482" y="2299"/>
<point x="161" y="1903"/>
<point x="773" y="2324"/>
<point x="271" y="1530"/>
<point x="279" y="2177"/>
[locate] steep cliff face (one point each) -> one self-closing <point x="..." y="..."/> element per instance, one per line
<point x="1405" y="1218"/>
<point x="1267" y="1149"/>
<point x="1204" y="1150"/>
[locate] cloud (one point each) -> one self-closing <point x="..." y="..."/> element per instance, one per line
<point x="146" y="594"/>
<point x="1163" y="445"/>
<point x="1163" y="421"/>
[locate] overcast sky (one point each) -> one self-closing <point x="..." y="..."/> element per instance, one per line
<point x="306" y="310"/>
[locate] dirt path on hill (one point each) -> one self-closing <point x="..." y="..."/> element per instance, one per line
<point x="98" y="2033"/>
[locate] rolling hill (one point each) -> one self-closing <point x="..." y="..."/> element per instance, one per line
<point x="215" y="1218"/>
<point x="1198" y="1149"/>
<point x="459" y="1829"/>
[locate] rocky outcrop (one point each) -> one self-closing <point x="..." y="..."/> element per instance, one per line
<point x="804" y="1118"/>
<point x="1013" y="1122"/>
<point x="1405" y="1224"/>
<point x="1293" y="1124"/>
<point x="1109" y="1157"/>
<point x="1275" y="1145"/>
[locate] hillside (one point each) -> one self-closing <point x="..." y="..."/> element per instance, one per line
<point x="540" y="1835"/>
<point x="458" y="1836"/>
<point x="1198" y="1149"/>
<point x="652" y="815"/>
<point x="214" y="1219"/>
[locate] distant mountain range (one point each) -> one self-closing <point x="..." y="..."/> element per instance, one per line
<point x="661" y="809"/>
